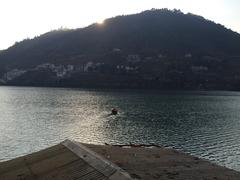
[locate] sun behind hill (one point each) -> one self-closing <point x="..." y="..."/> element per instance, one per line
<point x="101" y="22"/>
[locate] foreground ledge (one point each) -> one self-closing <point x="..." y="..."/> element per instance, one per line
<point x="73" y="160"/>
<point x="68" y="160"/>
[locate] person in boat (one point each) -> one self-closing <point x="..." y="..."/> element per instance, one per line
<point x="114" y="111"/>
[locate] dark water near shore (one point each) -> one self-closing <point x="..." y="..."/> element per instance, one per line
<point x="205" y="124"/>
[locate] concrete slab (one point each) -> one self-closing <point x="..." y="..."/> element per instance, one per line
<point x="66" y="161"/>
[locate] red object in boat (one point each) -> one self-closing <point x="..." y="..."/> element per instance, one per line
<point x="114" y="111"/>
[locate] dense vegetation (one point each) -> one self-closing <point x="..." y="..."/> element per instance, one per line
<point x="164" y="49"/>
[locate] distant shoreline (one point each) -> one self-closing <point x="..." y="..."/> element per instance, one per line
<point x="119" y="88"/>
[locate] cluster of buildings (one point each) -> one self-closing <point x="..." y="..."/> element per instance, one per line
<point x="131" y="65"/>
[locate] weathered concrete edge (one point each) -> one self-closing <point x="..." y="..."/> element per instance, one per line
<point x="104" y="166"/>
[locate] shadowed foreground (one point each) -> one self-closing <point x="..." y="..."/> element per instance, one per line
<point x="160" y="163"/>
<point x="72" y="160"/>
<point x="65" y="161"/>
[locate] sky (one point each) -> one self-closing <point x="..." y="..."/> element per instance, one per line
<point x="21" y="19"/>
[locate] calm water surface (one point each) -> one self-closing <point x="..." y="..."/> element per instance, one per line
<point x="205" y="124"/>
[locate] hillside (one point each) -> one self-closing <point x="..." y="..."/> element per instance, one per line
<point x="163" y="48"/>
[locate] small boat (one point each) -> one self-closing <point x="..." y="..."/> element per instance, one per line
<point x="114" y="111"/>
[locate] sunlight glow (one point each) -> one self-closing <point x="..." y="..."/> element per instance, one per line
<point x="101" y="22"/>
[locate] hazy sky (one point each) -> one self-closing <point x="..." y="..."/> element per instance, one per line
<point x="22" y="19"/>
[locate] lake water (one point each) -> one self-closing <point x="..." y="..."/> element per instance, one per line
<point x="205" y="124"/>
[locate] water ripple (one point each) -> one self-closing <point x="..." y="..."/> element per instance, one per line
<point x="205" y="124"/>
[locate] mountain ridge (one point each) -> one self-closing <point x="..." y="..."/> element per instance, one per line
<point x="153" y="38"/>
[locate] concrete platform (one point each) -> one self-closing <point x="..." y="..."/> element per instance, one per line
<point x="72" y="160"/>
<point x="158" y="163"/>
<point x="66" y="161"/>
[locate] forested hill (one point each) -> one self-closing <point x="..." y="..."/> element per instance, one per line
<point x="156" y="48"/>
